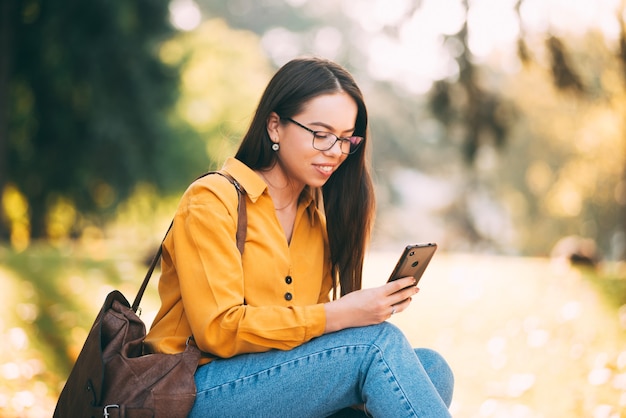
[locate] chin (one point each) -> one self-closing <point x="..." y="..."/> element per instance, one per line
<point x="317" y="183"/>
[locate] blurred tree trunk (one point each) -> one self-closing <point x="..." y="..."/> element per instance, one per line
<point x="7" y="10"/>
<point x="481" y="118"/>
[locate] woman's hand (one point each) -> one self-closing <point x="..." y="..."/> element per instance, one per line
<point x="369" y="306"/>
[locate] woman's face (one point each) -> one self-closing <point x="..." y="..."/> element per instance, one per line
<point x="335" y="113"/>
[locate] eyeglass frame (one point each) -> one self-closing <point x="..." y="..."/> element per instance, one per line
<point x="337" y="138"/>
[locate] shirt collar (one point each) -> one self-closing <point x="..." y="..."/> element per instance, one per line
<point x="255" y="186"/>
<point x="251" y="182"/>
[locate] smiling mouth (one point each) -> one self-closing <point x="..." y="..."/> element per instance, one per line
<point x="325" y="168"/>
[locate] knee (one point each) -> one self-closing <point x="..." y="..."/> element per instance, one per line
<point x="379" y="334"/>
<point x="432" y="360"/>
<point x="388" y="332"/>
<point x="439" y="371"/>
<point x="384" y="338"/>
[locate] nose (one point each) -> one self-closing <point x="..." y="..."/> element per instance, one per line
<point x="335" y="150"/>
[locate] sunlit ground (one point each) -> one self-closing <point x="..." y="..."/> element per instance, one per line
<point x="526" y="338"/>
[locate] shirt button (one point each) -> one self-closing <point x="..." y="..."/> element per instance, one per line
<point x="288" y="280"/>
<point x="288" y="296"/>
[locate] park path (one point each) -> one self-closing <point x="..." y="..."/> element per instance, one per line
<point x="525" y="337"/>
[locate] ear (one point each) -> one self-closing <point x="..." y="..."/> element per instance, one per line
<point x="273" y="123"/>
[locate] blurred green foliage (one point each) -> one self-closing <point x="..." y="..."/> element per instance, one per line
<point x="91" y="108"/>
<point x="50" y="287"/>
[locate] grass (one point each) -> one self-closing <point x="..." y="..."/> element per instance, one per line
<point x="525" y="337"/>
<point x="610" y="282"/>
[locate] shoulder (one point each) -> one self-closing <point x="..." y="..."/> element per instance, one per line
<point x="209" y="190"/>
<point x="213" y="187"/>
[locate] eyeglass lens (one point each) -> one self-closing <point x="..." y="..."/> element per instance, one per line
<point x="323" y="141"/>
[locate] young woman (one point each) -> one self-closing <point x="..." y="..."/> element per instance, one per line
<point x="274" y="343"/>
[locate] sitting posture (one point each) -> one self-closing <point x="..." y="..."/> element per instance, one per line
<point x="284" y="326"/>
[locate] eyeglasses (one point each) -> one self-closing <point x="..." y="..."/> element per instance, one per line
<point x="323" y="141"/>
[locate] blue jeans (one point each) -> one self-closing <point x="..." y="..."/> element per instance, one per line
<point x="374" y="366"/>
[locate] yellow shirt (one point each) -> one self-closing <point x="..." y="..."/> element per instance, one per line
<point x="270" y="298"/>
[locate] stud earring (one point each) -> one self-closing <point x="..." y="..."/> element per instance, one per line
<point x="275" y="146"/>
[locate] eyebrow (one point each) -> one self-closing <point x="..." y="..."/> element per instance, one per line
<point x="330" y="128"/>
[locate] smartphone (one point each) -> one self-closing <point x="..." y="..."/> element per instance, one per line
<point x="413" y="261"/>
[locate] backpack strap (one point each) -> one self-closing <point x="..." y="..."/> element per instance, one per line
<point x="242" y="213"/>
<point x="242" y="228"/>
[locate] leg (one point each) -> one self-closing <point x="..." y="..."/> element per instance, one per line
<point x="438" y="371"/>
<point x="371" y="365"/>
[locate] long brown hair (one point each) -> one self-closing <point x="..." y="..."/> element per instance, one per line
<point x="348" y="195"/>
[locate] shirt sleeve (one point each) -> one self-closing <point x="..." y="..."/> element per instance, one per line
<point x="211" y="279"/>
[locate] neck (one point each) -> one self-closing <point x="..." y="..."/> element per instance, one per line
<point x="283" y="191"/>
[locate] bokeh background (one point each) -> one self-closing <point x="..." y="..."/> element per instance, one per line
<point x="497" y="130"/>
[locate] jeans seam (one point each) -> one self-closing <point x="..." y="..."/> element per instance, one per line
<point x="284" y="364"/>
<point x="388" y="370"/>
<point x="378" y="352"/>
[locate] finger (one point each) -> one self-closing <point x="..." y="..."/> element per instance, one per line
<point x="400" y="306"/>
<point x="400" y="284"/>
<point x="404" y="304"/>
<point x="405" y="292"/>
<point x="403" y="295"/>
